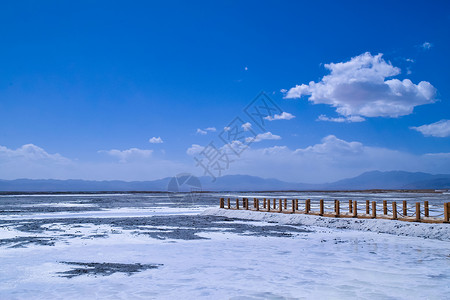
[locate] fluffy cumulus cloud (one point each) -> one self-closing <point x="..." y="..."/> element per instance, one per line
<point x="246" y="126"/>
<point x="282" y="116"/>
<point x="129" y="154"/>
<point x="361" y="88"/>
<point x="156" y="140"/>
<point x="438" y="129"/>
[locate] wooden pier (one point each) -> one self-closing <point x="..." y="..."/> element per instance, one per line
<point x="420" y="212"/>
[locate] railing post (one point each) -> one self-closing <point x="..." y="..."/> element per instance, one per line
<point x="394" y="210"/>
<point x="405" y="208"/>
<point x="427" y="210"/>
<point x="355" y="209"/>
<point x="246" y="203"/>
<point x="384" y="207"/>
<point x="222" y="203"/>
<point x="447" y="212"/>
<point x="296" y="204"/>
<point x="337" y="208"/>
<point x="264" y="205"/>
<point x="367" y="207"/>
<point x="268" y="204"/>
<point x="307" y="206"/>
<point x="280" y="206"/>
<point x="257" y="204"/>
<point x="374" y="209"/>
<point x="229" y="203"/>
<point x="417" y="211"/>
<point x="293" y="206"/>
<point x="237" y="203"/>
<point x="285" y="203"/>
<point x="274" y="204"/>
<point x="350" y="206"/>
<point x="321" y="210"/>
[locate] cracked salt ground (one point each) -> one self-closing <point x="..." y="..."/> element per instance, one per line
<point x="204" y="256"/>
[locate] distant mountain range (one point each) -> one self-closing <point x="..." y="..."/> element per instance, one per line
<point x="365" y="181"/>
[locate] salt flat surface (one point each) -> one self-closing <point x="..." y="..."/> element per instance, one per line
<point x="211" y="256"/>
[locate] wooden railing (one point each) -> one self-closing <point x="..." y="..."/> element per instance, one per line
<point x="373" y="210"/>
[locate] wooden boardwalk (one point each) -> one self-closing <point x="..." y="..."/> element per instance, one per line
<point x="420" y="212"/>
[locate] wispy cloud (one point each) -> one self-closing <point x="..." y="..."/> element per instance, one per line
<point x="282" y="116"/>
<point x="427" y="45"/>
<point x="246" y="126"/>
<point x="263" y="136"/>
<point x="349" y="119"/>
<point x="125" y="156"/>
<point x="206" y="130"/>
<point x="359" y="87"/>
<point x="156" y="140"/>
<point x="437" y="129"/>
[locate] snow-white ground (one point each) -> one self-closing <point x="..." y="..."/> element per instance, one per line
<point x="261" y="258"/>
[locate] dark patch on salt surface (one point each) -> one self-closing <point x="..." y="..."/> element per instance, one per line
<point x="23" y="241"/>
<point x="177" y="227"/>
<point x="104" y="269"/>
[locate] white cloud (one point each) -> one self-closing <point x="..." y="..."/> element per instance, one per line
<point x="206" y="130"/>
<point x="202" y="132"/>
<point x="30" y="152"/>
<point x="283" y="91"/>
<point x="156" y="140"/>
<point x="226" y="128"/>
<point x="246" y="126"/>
<point x="282" y="116"/>
<point x="125" y="156"/>
<point x="438" y="129"/>
<point x="194" y="149"/>
<point x="360" y="87"/>
<point x="263" y="136"/>
<point x="427" y="45"/>
<point x="246" y="68"/>
<point x="349" y="119"/>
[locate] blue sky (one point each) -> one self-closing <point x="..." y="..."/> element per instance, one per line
<point x="85" y="85"/>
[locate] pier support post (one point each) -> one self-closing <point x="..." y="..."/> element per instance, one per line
<point x="355" y="209"/>
<point x="228" y="203"/>
<point x="405" y="208"/>
<point x="280" y="207"/>
<point x="293" y="206"/>
<point x="337" y="208"/>
<point x="264" y="205"/>
<point x="285" y="204"/>
<point x="296" y="204"/>
<point x="237" y="203"/>
<point x="257" y="204"/>
<point x="350" y="206"/>
<point x="394" y="210"/>
<point x="274" y="204"/>
<point x="447" y="212"/>
<point x="321" y="210"/>
<point x="367" y="207"/>
<point x="222" y="203"/>
<point x="307" y="206"/>
<point x="268" y="204"/>
<point x="374" y="209"/>
<point x="384" y="207"/>
<point x="427" y="210"/>
<point x="417" y="211"/>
